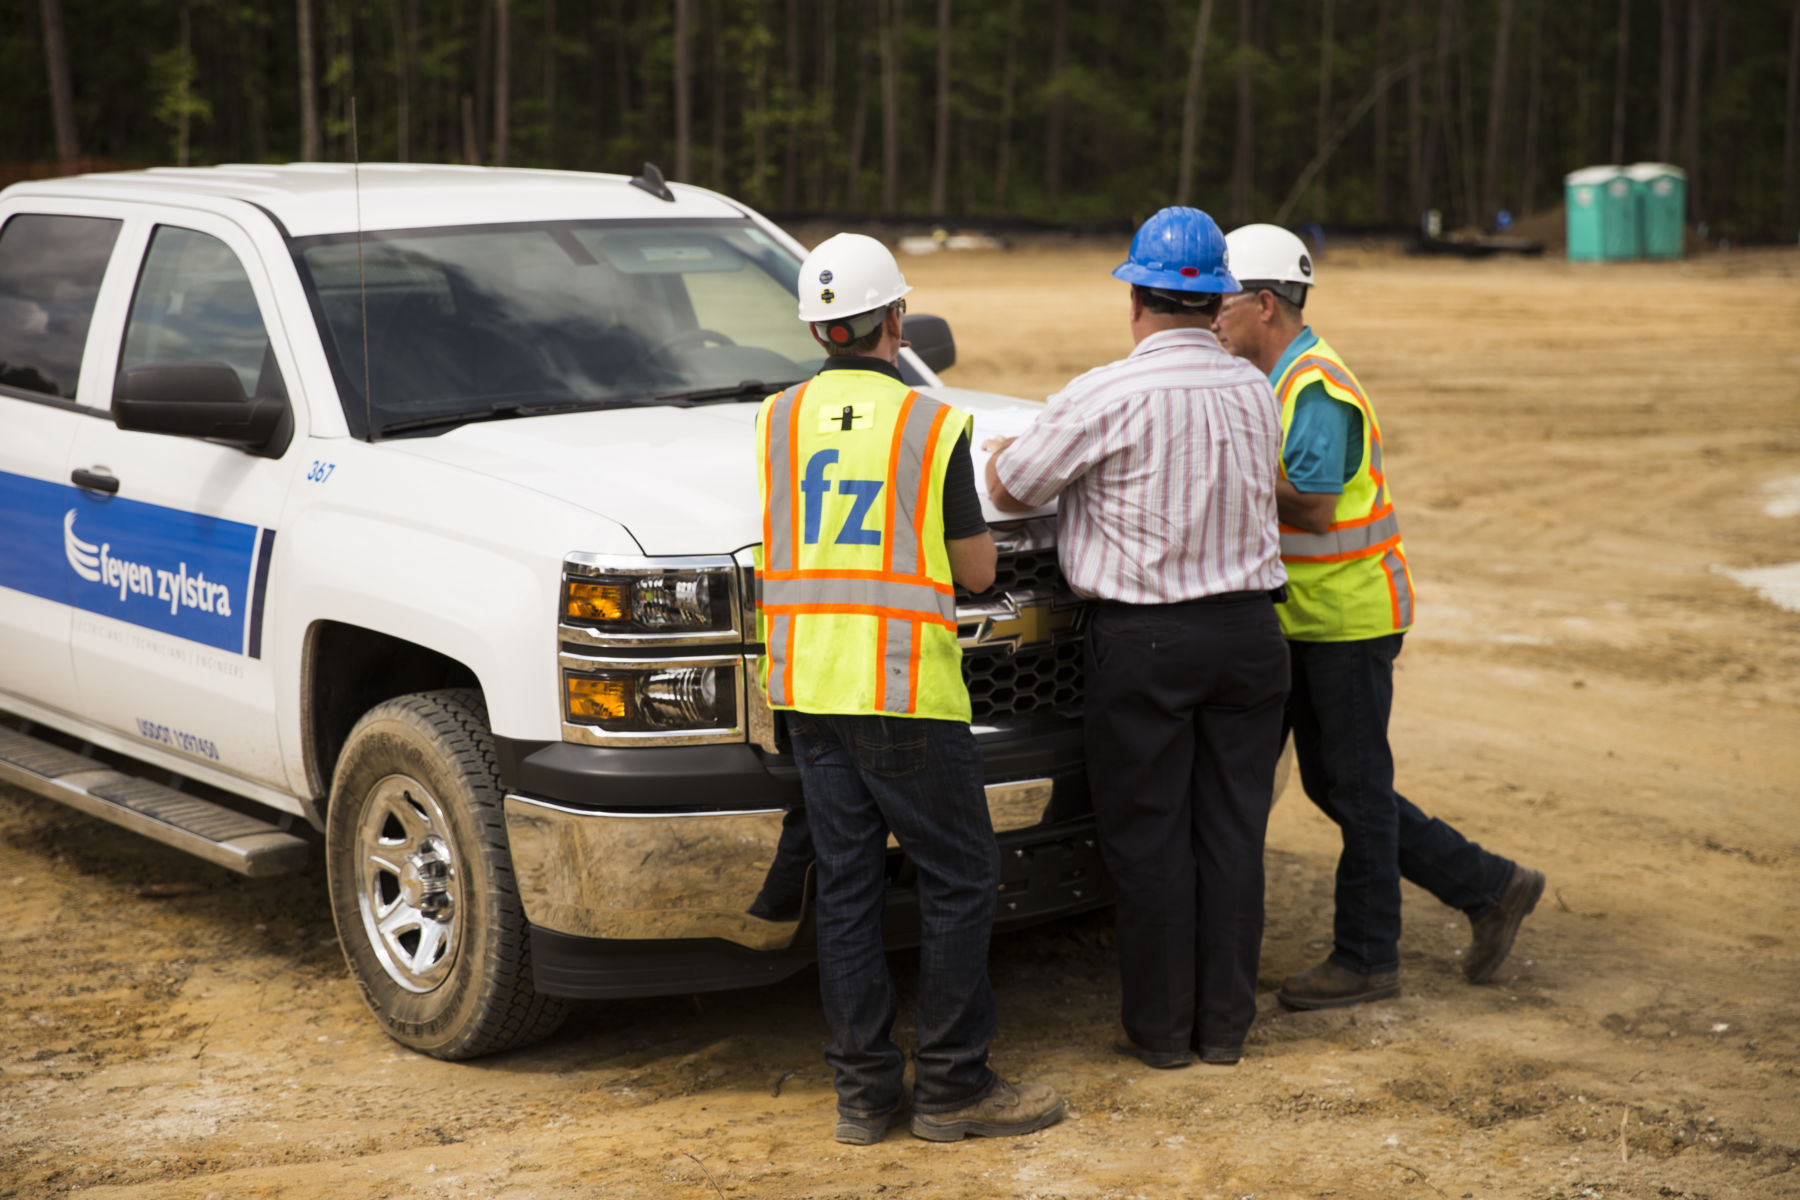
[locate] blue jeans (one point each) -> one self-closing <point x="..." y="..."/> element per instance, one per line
<point x="1338" y="710"/>
<point x="863" y="776"/>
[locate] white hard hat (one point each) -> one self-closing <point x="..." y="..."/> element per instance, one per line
<point x="846" y="275"/>
<point x="1268" y="254"/>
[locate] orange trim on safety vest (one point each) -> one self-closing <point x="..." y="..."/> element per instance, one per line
<point x="1346" y="556"/>
<point x="921" y="505"/>
<point x="1332" y="371"/>
<point x="1393" y="590"/>
<point x="768" y="466"/>
<point x="947" y="589"/>
<point x="787" y="664"/>
<point x="1379" y="514"/>
<point x="893" y="463"/>
<point x="793" y="453"/>
<point x="853" y="610"/>
<point x="880" y="648"/>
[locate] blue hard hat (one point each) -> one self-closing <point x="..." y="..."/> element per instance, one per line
<point x="1179" y="250"/>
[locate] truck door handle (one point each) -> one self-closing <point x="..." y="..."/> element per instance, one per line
<point x="98" y="481"/>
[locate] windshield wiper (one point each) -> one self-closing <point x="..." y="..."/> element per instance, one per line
<point x="500" y="411"/>
<point x="745" y="389"/>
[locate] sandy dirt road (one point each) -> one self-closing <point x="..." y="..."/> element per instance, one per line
<point x="1576" y="454"/>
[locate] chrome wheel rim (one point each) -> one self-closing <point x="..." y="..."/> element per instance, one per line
<point x="408" y="883"/>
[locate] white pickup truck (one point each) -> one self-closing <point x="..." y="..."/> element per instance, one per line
<point x="404" y="516"/>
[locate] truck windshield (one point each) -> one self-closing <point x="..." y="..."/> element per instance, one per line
<point x="470" y="322"/>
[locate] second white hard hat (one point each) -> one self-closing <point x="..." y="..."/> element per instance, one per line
<point x="848" y="274"/>
<point x="1268" y="254"/>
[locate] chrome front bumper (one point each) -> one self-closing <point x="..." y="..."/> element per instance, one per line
<point x="634" y="875"/>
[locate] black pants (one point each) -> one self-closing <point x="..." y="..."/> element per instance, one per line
<point x="1183" y="721"/>
<point x="1342" y="694"/>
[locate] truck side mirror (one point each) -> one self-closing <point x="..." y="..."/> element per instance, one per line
<point x="931" y="340"/>
<point x="200" y="400"/>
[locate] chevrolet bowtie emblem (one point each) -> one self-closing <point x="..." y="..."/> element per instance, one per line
<point x="1031" y="624"/>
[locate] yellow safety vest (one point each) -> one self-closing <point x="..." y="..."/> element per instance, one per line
<point x="1350" y="583"/>
<point x="855" y="600"/>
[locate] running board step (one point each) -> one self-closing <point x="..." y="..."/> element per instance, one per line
<point x="219" y="835"/>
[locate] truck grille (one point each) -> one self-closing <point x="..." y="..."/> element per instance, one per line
<point x="1042" y="679"/>
<point x="1026" y="572"/>
<point x="1033" y="665"/>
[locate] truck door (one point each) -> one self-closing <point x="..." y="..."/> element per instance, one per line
<point x="51" y="268"/>
<point x="167" y="637"/>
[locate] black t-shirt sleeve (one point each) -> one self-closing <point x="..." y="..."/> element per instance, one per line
<point x="962" y="503"/>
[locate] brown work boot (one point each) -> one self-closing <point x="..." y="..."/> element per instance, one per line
<point x="1331" y="986"/>
<point x="1007" y="1110"/>
<point x="1492" y="936"/>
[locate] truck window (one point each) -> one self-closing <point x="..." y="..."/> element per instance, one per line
<point x="50" y="272"/>
<point x="194" y="303"/>
<point x="556" y="313"/>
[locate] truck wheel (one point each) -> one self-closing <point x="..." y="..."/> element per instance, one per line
<point x="421" y="881"/>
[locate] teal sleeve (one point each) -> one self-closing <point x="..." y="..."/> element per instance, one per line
<point x="1323" y="447"/>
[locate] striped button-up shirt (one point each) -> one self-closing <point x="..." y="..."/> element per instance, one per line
<point x="1165" y="463"/>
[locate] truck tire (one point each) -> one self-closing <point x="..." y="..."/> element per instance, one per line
<point x="421" y="881"/>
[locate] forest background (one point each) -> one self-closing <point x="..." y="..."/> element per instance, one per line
<point x="1350" y="113"/>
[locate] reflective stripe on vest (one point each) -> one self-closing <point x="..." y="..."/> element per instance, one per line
<point x="1350" y="582"/>
<point x="812" y="593"/>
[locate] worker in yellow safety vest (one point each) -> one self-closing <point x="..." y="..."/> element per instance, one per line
<point x="870" y="520"/>
<point x="1350" y="603"/>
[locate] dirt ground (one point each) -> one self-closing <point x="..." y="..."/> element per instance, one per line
<point x="1577" y="453"/>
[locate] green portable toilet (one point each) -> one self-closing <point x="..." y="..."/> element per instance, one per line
<point x="1661" y="192"/>
<point x="1602" y="215"/>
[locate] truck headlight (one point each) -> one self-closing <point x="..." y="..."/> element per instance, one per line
<point x="634" y="601"/>
<point x="653" y="698"/>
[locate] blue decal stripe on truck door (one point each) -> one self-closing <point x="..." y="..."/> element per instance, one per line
<point x="260" y="593"/>
<point x="159" y="568"/>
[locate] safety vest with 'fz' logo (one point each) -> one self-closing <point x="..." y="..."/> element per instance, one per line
<point x="856" y="604"/>
<point x="1350" y="583"/>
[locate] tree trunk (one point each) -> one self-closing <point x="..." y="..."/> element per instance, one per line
<point x="890" y="107"/>
<point x="790" y="113"/>
<point x="471" y="137"/>
<point x="1533" y="104"/>
<point x="759" y="113"/>
<point x="718" y="97"/>
<point x="1382" y="23"/>
<point x="1193" y="105"/>
<point x="1245" y="161"/>
<point x="309" y="85"/>
<point x="1323" y="131"/>
<point x="859" y="113"/>
<point x="1053" y="127"/>
<point x="406" y="48"/>
<point x="684" y="91"/>
<point x="184" y="104"/>
<point x="1668" y="75"/>
<point x="551" y="158"/>
<point x="1690" y="105"/>
<point x="62" y="93"/>
<point x="1619" y="78"/>
<point x="1008" y="82"/>
<point x="1416" y="187"/>
<point x="1725" y="132"/>
<point x="1490" y="167"/>
<point x="1437" y="132"/>
<point x="484" y="78"/>
<point x="940" y="151"/>
<point x="825" y="107"/>
<point x="502" y="78"/>
<point x="1790" y="142"/>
